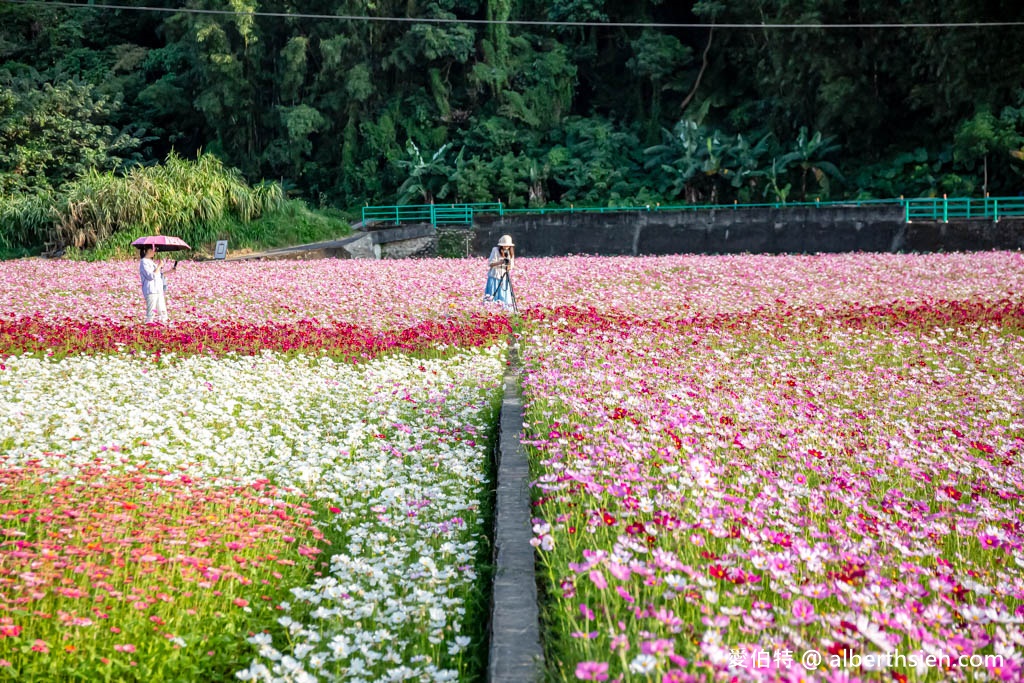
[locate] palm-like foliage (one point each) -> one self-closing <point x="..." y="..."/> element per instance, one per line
<point x="808" y="154"/>
<point x="698" y="162"/>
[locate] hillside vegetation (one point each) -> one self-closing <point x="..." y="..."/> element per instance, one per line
<point x="611" y="103"/>
<point x="99" y="214"/>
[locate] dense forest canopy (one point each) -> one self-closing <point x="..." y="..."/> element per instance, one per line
<point x="348" y="111"/>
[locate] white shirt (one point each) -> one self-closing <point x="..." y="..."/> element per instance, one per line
<point x="497" y="265"/>
<point x="152" y="278"/>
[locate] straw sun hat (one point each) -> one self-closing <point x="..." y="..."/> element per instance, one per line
<point x="505" y="241"/>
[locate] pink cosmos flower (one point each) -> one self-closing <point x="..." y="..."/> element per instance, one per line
<point x="592" y="671"/>
<point x="620" y="642"/>
<point x="586" y="635"/>
<point x="619" y="571"/>
<point x="803" y="612"/>
<point x="656" y="647"/>
<point x="598" y="579"/>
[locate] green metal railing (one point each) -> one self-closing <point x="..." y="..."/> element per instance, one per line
<point x="435" y="214"/>
<point x="942" y="209"/>
<point x="735" y="206"/>
<point x="935" y="209"/>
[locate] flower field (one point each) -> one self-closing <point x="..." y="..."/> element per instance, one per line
<point x="153" y="506"/>
<point x="231" y="497"/>
<point x="738" y="460"/>
<point x="802" y="478"/>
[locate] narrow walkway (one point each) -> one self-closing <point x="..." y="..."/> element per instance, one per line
<point x="515" y="653"/>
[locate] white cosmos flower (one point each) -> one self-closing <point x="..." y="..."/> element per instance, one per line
<point x="643" y="664"/>
<point x="301" y="650"/>
<point x="255" y="672"/>
<point x="307" y="424"/>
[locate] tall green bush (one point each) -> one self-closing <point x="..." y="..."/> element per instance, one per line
<point x="181" y="197"/>
<point x="26" y="220"/>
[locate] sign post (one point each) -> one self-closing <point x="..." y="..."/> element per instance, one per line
<point x="221" y="251"/>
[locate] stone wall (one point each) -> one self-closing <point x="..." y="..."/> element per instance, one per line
<point x="417" y="247"/>
<point x="730" y="231"/>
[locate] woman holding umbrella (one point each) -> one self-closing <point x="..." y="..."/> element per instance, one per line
<point x="152" y="273"/>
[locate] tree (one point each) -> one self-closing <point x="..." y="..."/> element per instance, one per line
<point x="984" y="135"/>
<point x="538" y="114"/>
<point x="657" y="57"/>
<point x="51" y="133"/>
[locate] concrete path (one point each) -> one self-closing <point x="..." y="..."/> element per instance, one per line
<point x="356" y="245"/>
<point x="515" y="653"/>
<point x="361" y="244"/>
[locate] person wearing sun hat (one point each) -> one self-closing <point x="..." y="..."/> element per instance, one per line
<point x="500" y="263"/>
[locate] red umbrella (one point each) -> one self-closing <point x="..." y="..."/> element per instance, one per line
<point x="161" y="242"/>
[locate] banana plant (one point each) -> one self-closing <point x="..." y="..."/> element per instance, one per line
<point x="808" y="155"/>
<point x="427" y="178"/>
<point x="680" y="158"/>
<point x="772" y="189"/>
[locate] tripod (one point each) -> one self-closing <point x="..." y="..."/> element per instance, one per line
<point x="505" y="281"/>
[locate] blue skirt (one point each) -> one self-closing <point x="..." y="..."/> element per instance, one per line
<point x="498" y="290"/>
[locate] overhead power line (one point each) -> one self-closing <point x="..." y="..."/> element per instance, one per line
<point x="514" y="22"/>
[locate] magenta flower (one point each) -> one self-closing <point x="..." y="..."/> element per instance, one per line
<point x="1006" y="670"/>
<point x="598" y="579"/>
<point x="988" y="541"/>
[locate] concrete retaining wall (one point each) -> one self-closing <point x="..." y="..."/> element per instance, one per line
<point x="728" y="231"/>
<point x="966" y="235"/>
